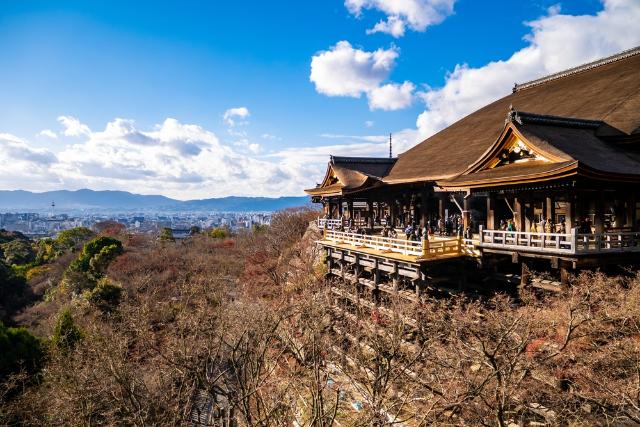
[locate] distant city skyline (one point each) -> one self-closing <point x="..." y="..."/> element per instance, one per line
<point x="192" y="100"/>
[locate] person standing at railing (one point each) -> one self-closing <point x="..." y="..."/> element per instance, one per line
<point x="408" y="231"/>
<point x="510" y="225"/>
<point x="543" y="224"/>
<point x="468" y="235"/>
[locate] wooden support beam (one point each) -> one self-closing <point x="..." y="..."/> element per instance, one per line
<point x="370" y="214"/>
<point x="395" y="277"/>
<point x="441" y="201"/>
<point x="491" y="212"/>
<point x="599" y="212"/>
<point x="466" y="213"/>
<point x="550" y="210"/>
<point x="633" y="203"/>
<point x="424" y="207"/>
<point x="518" y="214"/>
<point x="569" y="219"/>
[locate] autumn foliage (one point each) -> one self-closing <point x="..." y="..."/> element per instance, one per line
<point x="246" y="327"/>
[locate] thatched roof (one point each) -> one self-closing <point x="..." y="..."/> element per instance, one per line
<point x="607" y="91"/>
<point x="564" y="146"/>
<point x="350" y="174"/>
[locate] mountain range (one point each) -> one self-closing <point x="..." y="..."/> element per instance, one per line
<point x="90" y="200"/>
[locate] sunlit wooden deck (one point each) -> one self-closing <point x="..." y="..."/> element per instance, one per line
<point x="436" y="248"/>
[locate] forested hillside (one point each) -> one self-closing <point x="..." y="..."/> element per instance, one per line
<point x="124" y="329"/>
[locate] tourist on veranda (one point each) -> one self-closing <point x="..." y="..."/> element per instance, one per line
<point x="408" y="231"/>
<point x="511" y="226"/>
<point x="467" y="233"/>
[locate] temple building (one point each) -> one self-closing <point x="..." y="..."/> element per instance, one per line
<point x="548" y="175"/>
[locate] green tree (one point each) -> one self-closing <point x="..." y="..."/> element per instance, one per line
<point x="258" y="228"/>
<point x="167" y="234"/>
<point x="106" y="295"/>
<point x="96" y="248"/>
<point x="92" y="262"/>
<point x="66" y="333"/>
<point x="219" y="233"/>
<point x="19" y="349"/>
<point x="18" y="252"/>
<point x="73" y="238"/>
<point x="14" y="292"/>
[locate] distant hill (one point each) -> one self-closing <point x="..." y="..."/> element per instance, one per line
<point x="66" y="200"/>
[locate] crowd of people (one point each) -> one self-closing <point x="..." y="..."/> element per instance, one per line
<point x="451" y="225"/>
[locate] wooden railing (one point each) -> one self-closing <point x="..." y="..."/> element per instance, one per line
<point x="573" y="243"/>
<point x="608" y="242"/>
<point x="422" y="248"/>
<point x="337" y="223"/>
<point x="533" y="242"/>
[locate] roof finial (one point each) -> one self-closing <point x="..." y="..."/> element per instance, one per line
<point x="512" y="115"/>
<point x="390" y="147"/>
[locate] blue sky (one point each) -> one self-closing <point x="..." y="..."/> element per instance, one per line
<point x="133" y="95"/>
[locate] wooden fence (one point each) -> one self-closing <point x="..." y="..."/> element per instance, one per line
<point x="573" y="243"/>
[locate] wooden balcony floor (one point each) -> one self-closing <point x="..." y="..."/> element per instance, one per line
<point x="396" y="256"/>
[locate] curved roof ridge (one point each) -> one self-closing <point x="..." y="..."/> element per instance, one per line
<point x="551" y="120"/>
<point x="351" y="159"/>
<point x="584" y="67"/>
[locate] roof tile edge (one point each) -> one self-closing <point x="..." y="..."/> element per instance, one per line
<point x="575" y="70"/>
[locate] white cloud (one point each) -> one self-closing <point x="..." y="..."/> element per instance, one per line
<point x="172" y="158"/>
<point x="47" y="133"/>
<point x="415" y="14"/>
<point x="391" y="96"/>
<point x="73" y="126"/>
<point x="347" y="71"/>
<point x="254" y="148"/>
<point x="21" y="164"/>
<point x="232" y="114"/>
<point x="369" y="123"/>
<point x="555" y="42"/>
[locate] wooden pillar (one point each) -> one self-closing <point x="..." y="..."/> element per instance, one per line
<point x="620" y="216"/>
<point x="527" y="212"/>
<point x="350" y="208"/>
<point x="370" y="213"/>
<point x="569" y="214"/>
<point x="393" y="209"/>
<point x="424" y="207"/>
<point x="441" y="204"/>
<point x="631" y="211"/>
<point x="340" y="212"/>
<point x="466" y="214"/>
<point x="395" y="277"/>
<point x="491" y="212"/>
<point x="550" y="210"/>
<point x="518" y="214"/>
<point x="599" y="212"/>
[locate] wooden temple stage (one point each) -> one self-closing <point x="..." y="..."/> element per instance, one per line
<point x="546" y="178"/>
